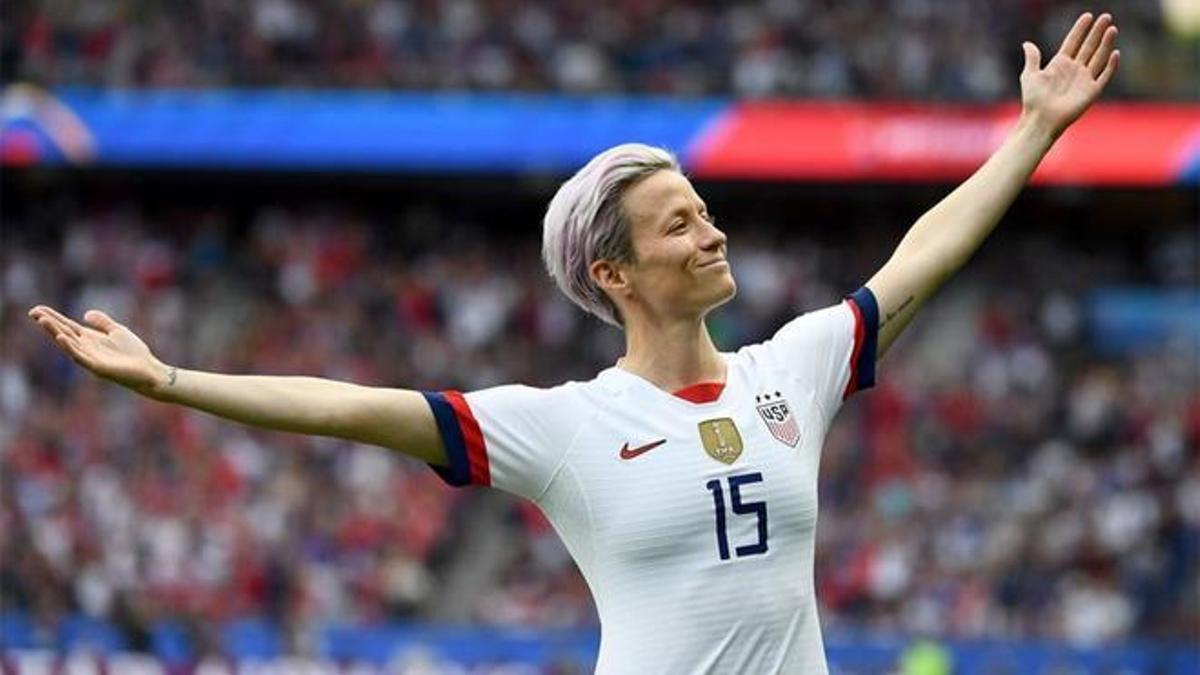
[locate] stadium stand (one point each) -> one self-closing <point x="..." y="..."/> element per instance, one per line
<point x="964" y="50"/>
<point x="1023" y="486"/>
<point x="1016" y="475"/>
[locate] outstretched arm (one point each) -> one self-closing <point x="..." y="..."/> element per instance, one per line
<point x="392" y="418"/>
<point x="943" y="239"/>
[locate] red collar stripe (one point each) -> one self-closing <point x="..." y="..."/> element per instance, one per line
<point x="704" y="392"/>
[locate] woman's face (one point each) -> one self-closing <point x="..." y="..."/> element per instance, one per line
<point x="680" y="268"/>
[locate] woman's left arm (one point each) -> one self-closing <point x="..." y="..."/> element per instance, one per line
<point x="946" y="236"/>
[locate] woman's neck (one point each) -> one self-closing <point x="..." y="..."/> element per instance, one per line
<point x="672" y="356"/>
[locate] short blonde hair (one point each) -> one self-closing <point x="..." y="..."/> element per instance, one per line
<point x="585" y="222"/>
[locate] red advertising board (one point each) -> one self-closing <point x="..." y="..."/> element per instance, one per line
<point x="1113" y="144"/>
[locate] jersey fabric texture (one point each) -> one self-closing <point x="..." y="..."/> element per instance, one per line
<point x="698" y="550"/>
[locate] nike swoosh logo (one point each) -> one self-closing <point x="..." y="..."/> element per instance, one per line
<point x="629" y="453"/>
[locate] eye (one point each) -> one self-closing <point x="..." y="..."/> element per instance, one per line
<point x="677" y="227"/>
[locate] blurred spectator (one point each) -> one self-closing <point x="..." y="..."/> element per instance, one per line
<point x="1002" y="480"/>
<point x="922" y="49"/>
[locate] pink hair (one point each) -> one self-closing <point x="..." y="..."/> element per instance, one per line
<point x="585" y="223"/>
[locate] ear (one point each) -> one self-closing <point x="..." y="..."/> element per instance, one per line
<point x="610" y="277"/>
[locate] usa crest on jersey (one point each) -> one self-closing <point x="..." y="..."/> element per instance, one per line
<point x="777" y="415"/>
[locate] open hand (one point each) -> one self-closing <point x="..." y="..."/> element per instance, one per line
<point x="1059" y="93"/>
<point x="104" y="347"/>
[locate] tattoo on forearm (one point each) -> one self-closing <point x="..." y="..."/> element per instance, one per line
<point x="896" y="312"/>
<point x="171" y="375"/>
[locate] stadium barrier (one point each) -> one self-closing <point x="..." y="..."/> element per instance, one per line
<point x="1115" y="144"/>
<point x="80" y="645"/>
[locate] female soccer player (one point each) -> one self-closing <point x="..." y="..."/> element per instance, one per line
<point x="682" y="480"/>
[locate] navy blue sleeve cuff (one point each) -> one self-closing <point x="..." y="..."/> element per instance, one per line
<point x="866" y="335"/>
<point x="458" y="473"/>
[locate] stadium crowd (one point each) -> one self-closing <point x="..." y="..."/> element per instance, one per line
<point x="885" y="49"/>
<point x="1003" y="479"/>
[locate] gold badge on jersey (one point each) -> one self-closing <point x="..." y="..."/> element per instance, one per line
<point x="721" y="439"/>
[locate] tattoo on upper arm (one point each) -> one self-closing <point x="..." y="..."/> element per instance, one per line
<point x="896" y="312"/>
<point x="171" y="375"/>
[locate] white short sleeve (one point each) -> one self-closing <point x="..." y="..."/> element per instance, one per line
<point x="512" y="437"/>
<point x="833" y="349"/>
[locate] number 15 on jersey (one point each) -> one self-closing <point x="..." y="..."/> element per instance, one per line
<point x="739" y="508"/>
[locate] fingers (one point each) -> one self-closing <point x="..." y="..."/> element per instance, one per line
<point x="1074" y="40"/>
<point x="50" y="327"/>
<point x="99" y="320"/>
<point x="1099" y="60"/>
<point x="1110" y="68"/>
<point x="65" y="336"/>
<point x="55" y="318"/>
<point x="74" y="348"/>
<point x="53" y="325"/>
<point x="1033" y="57"/>
<point x="1094" y="36"/>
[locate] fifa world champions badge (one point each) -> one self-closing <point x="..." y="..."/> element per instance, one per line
<point x="777" y="414"/>
<point x="721" y="439"/>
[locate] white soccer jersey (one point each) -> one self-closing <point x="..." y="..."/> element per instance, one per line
<point x="693" y="522"/>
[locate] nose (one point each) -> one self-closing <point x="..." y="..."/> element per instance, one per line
<point x="712" y="238"/>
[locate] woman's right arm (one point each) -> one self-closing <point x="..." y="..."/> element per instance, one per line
<point x="392" y="418"/>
